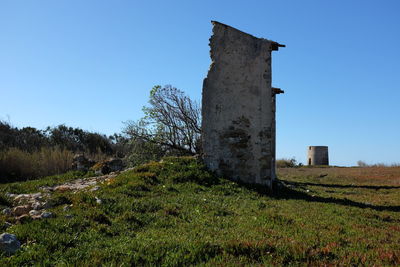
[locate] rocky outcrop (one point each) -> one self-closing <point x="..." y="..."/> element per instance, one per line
<point x="81" y="163"/>
<point x="108" y="166"/>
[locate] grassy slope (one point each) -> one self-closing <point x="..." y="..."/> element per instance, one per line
<point x="175" y="212"/>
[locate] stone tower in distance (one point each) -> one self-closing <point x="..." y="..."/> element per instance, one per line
<point x="317" y="155"/>
<point x="238" y="107"/>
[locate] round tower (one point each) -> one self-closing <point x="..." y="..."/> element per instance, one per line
<point x="317" y="155"/>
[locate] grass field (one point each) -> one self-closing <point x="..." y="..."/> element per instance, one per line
<point x="176" y="213"/>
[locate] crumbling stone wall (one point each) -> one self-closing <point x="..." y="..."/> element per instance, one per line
<point x="238" y="107"/>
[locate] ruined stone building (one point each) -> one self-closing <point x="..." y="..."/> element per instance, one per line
<point x="317" y="155"/>
<point x="238" y="107"/>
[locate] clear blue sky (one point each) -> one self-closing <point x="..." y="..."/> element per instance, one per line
<point x="91" y="64"/>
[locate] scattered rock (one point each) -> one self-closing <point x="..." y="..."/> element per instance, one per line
<point x="37" y="205"/>
<point x="34" y="213"/>
<point x="98" y="200"/>
<point x="47" y="215"/>
<point x="80" y="184"/>
<point x="20" y="197"/>
<point x="81" y="163"/>
<point x="115" y="165"/>
<point x="36" y="196"/>
<point x="108" y="166"/>
<point x="23" y="218"/>
<point x="47" y="205"/>
<point x="29" y="206"/>
<point x="28" y="199"/>
<point x="46" y="188"/>
<point x="7" y="224"/>
<point x="10" y="195"/>
<point x="62" y="188"/>
<point x="95" y="188"/>
<point x="67" y="207"/>
<point x="9" y="243"/>
<point x="6" y="211"/>
<point x="69" y="216"/>
<point x="20" y="210"/>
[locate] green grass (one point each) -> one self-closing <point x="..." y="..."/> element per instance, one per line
<point x="176" y="213"/>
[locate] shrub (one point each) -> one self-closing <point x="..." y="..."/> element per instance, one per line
<point x="361" y="163"/>
<point x="286" y="163"/>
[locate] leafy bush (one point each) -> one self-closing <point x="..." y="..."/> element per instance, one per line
<point x="361" y="163"/>
<point x="30" y="139"/>
<point x="286" y="163"/>
<point x="28" y="153"/>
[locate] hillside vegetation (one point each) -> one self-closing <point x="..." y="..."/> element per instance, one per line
<point x="28" y="153"/>
<point x="174" y="212"/>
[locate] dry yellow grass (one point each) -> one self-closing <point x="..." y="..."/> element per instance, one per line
<point x="375" y="185"/>
<point x="360" y="175"/>
<point x="16" y="164"/>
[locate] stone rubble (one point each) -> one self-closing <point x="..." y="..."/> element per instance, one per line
<point x="6" y="225"/>
<point x="32" y="206"/>
<point x="108" y="166"/>
<point x="23" y="218"/>
<point x="9" y="243"/>
<point x="67" y="207"/>
<point x="34" y="213"/>
<point x="6" y="211"/>
<point x="81" y="163"/>
<point x="98" y="200"/>
<point x="38" y="205"/>
<point x="21" y="210"/>
<point x="80" y="184"/>
<point x="47" y="214"/>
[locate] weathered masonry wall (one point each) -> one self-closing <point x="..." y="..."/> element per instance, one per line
<point x="317" y="155"/>
<point x="238" y="107"/>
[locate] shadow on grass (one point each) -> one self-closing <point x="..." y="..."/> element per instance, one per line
<point x="282" y="191"/>
<point x="375" y="187"/>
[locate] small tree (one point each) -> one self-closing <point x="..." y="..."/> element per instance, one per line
<point x="361" y="163"/>
<point x="172" y="124"/>
<point x="286" y="163"/>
